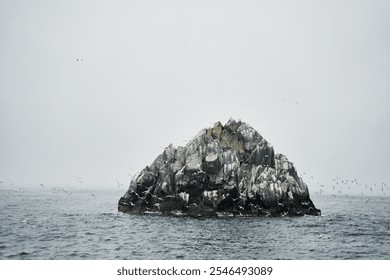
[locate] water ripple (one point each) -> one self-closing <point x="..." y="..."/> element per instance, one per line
<point x="60" y="227"/>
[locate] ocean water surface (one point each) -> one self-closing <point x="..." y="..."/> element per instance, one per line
<point x="84" y="224"/>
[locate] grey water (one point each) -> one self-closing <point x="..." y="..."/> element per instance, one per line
<point x="84" y="224"/>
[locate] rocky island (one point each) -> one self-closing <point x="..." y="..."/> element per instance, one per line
<point x="224" y="170"/>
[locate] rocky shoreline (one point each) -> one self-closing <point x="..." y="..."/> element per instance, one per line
<point x="224" y="170"/>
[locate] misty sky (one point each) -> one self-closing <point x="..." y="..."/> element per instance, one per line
<point x="313" y="77"/>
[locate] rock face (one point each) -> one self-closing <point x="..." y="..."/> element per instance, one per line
<point x="228" y="169"/>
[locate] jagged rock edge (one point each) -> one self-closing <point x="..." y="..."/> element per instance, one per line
<point x="194" y="186"/>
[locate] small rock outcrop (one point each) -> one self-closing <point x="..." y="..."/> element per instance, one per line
<point x="223" y="170"/>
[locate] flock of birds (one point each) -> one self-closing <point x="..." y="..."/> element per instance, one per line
<point x="338" y="187"/>
<point x="65" y="190"/>
<point x="52" y="188"/>
<point x="342" y="186"/>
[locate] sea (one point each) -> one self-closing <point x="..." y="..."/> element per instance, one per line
<point x="84" y="224"/>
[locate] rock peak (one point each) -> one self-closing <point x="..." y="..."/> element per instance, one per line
<point x="223" y="169"/>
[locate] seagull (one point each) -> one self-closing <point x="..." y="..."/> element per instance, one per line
<point x="147" y="192"/>
<point x="119" y="185"/>
<point x="94" y="196"/>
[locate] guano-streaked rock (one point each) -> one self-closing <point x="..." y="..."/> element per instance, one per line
<point x="228" y="169"/>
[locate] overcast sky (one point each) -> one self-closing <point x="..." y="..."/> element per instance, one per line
<point x="313" y="77"/>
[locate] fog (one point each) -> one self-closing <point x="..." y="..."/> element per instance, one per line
<point x="92" y="91"/>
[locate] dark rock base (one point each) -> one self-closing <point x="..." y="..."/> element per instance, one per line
<point x="228" y="207"/>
